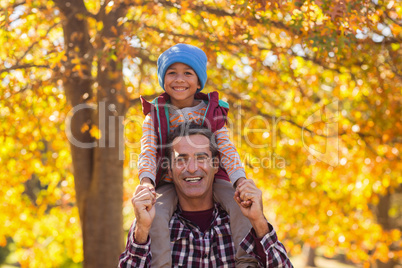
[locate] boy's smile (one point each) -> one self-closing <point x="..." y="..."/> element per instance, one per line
<point x="181" y="83"/>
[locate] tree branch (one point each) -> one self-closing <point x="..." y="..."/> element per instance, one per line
<point x="17" y="4"/>
<point x="371" y="148"/>
<point x="393" y="20"/>
<point x="36" y="42"/>
<point x="223" y="13"/>
<point x="391" y="63"/>
<point x="273" y="117"/>
<point x="24" y="66"/>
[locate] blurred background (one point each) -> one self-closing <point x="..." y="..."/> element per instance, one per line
<point x="314" y="89"/>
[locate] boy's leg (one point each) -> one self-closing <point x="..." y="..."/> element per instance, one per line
<point x="166" y="201"/>
<point x="239" y="224"/>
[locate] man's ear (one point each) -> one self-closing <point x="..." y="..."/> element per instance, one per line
<point x="198" y="84"/>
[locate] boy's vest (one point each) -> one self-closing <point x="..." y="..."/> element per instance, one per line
<point x="214" y="119"/>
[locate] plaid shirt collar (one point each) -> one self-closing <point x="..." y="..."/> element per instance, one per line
<point x="182" y="228"/>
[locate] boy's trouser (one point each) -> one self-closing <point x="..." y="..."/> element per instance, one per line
<point x="165" y="206"/>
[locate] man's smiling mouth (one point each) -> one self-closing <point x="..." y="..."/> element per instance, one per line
<point x="193" y="179"/>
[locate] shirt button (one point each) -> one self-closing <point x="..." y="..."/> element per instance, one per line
<point x="205" y="256"/>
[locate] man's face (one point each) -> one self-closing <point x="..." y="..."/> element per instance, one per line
<point x="192" y="168"/>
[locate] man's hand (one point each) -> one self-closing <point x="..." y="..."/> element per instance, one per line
<point x="143" y="202"/>
<point x="248" y="191"/>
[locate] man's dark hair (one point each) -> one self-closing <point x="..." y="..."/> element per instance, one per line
<point x="185" y="130"/>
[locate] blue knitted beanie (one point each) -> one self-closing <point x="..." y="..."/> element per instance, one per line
<point x="187" y="54"/>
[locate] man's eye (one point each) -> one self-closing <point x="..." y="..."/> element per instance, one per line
<point x="202" y="159"/>
<point x="188" y="73"/>
<point x="181" y="160"/>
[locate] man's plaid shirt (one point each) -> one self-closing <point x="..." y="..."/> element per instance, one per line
<point x="213" y="248"/>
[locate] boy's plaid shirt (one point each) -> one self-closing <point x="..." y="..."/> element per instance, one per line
<point x="214" y="248"/>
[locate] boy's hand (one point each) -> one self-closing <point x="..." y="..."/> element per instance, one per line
<point x="243" y="203"/>
<point x="239" y="181"/>
<point x="148" y="183"/>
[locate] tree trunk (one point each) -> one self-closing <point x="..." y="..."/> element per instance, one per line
<point x="386" y="223"/>
<point x="310" y="262"/>
<point x="98" y="164"/>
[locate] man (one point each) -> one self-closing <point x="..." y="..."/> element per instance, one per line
<point x="200" y="229"/>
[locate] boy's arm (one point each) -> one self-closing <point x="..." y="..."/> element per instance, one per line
<point x="147" y="157"/>
<point x="230" y="158"/>
<point x="240" y="180"/>
<point x="148" y="182"/>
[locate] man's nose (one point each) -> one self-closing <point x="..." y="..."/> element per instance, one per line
<point x="192" y="165"/>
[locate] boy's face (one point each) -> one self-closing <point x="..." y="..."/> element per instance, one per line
<point x="181" y="83"/>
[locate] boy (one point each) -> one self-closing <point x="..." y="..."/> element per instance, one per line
<point x="182" y="74"/>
